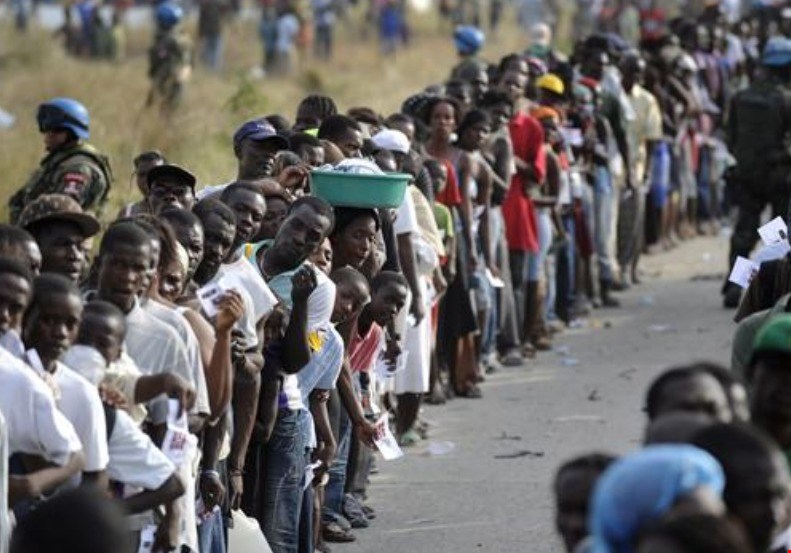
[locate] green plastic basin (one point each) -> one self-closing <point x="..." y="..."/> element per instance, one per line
<point x="359" y="190"/>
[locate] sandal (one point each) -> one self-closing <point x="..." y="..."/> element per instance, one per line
<point x="473" y="392"/>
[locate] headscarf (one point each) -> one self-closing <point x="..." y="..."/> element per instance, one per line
<point x="642" y="487"/>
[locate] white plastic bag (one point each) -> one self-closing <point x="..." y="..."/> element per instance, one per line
<point x="246" y="536"/>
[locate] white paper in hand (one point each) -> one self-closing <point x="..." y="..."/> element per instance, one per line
<point x="743" y="272"/>
<point x="386" y="442"/>
<point x="209" y="296"/>
<point x="384" y="369"/>
<point x="178" y="444"/>
<point x="494" y="281"/>
<point x="309" y="473"/>
<point x="774" y="231"/>
<point x="778" y="250"/>
<point x="147" y="535"/>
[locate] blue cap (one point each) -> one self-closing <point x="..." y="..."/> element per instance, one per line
<point x="258" y="129"/>
<point x="777" y="52"/>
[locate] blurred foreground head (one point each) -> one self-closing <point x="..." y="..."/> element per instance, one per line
<point x="78" y="521"/>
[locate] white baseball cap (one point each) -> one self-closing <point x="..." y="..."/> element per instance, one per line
<point x="392" y="140"/>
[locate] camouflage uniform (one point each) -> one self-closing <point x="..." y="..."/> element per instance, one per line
<point x="78" y="171"/>
<point x="170" y="64"/>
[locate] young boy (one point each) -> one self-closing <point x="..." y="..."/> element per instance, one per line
<point x="97" y="355"/>
<point x="150" y="478"/>
<point x="50" y="326"/>
<point x="574" y="484"/>
<point x="365" y="340"/>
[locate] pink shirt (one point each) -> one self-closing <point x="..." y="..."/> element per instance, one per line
<point x="364" y="349"/>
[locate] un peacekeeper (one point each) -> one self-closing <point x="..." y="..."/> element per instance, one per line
<point x="170" y="57"/>
<point x="759" y="136"/>
<point x="72" y="166"/>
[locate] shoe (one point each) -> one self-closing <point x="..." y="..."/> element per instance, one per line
<point x="369" y="511"/>
<point x="542" y="343"/>
<point x="352" y="510"/>
<point x="473" y="392"/>
<point x="409" y="438"/>
<point x="619" y="285"/>
<point x="437" y="395"/>
<point x="732" y="296"/>
<point x="323" y="548"/>
<point x="333" y="533"/>
<point x="606" y="299"/>
<point x="512" y="359"/>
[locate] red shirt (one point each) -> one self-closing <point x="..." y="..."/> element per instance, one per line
<point x="527" y="137"/>
<point x="363" y="349"/>
<point x="450" y="195"/>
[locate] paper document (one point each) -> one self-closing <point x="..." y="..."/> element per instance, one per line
<point x="743" y="272"/>
<point x="774" y="231"/>
<point x="386" y="442"/>
<point x="384" y="369"/>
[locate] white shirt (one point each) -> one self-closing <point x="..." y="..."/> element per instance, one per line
<point x="5" y="523"/>
<point x="177" y="322"/>
<point x="155" y="348"/>
<point x="134" y="459"/>
<point x="35" y="425"/>
<point x="80" y="402"/>
<point x="122" y="374"/>
<point x="211" y="191"/>
<point x="287" y="29"/>
<point x="258" y="298"/>
<point x="406" y="218"/>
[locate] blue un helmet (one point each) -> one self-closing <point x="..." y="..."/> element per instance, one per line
<point x="64" y="113"/>
<point x="777" y="52"/>
<point x="468" y="39"/>
<point x="168" y="15"/>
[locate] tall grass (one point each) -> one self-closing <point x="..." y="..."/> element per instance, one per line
<point x="33" y="67"/>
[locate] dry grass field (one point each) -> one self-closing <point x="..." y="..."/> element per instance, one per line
<point x="33" y="67"/>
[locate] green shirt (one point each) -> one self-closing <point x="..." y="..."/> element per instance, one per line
<point x="444" y="220"/>
<point x="744" y="338"/>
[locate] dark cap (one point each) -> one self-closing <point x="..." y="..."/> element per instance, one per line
<point x="172" y="173"/>
<point x="58" y="207"/>
<point x="258" y="130"/>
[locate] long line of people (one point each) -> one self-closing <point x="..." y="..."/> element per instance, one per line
<point x="240" y="346"/>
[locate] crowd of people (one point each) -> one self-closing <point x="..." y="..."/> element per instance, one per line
<point x="215" y="353"/>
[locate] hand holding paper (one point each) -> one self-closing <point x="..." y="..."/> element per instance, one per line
<point x="386" y="442"/>
<point x="743" y="272"/>
<point x="774" y="231"/>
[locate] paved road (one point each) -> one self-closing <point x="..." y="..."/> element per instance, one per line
<point x="492" y="492"/>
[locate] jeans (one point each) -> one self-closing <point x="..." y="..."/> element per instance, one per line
<point x="518" y="263"/>
<point x="566" y="270"/>
<point x="211" y="51"/>
<point x="267" y="30"/>
<point x="322" y="45"/>
<point x="287" y="455"/>
<point x="506" y="321"/>
<point x="535" y="261"/>
<point x="333" y="492"/>
<point x="211" y="535"/>
<point x="604" y="201"/>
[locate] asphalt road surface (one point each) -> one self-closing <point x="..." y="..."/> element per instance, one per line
<point x="492" y="491"/>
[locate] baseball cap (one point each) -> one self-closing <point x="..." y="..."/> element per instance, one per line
<point x="172" y="173"/>
<point x="774" y="336"/>
<point x="552" y="83"/>
<point x="258" y="130"/>
<point x="392" y="140"/>
<point x="58" y="207"/>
